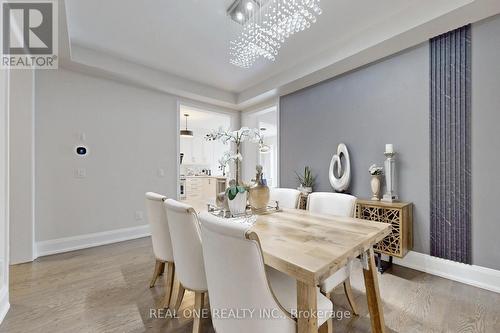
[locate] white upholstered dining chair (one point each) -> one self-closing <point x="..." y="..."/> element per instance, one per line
<point x="162" y="246"/>
<point x="338" y="204"/>
<point x="286" y="197"/>
<point x="238" y="279"/>
<point x="188" y="255"/>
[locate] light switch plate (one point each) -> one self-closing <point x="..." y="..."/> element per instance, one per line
<point x="81" y="173"/>
<point x="139" y="215"/>
<point x="161" y="172"/>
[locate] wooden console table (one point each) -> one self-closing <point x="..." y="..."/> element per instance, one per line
<point x="400" y="216"/>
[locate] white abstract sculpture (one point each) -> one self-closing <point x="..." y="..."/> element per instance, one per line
<point x="339" y="177"/>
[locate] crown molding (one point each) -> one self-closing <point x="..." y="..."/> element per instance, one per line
<point x="115" y="68"/>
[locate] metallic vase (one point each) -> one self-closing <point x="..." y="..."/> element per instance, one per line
<point x="259" y="197"/>
<point x="259" y="193"/>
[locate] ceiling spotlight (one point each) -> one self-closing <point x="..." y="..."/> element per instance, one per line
<point x="241" y="11"/>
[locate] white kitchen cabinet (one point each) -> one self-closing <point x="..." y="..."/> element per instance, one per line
<point x="209" y="188"/>
<point x="203" y="189"/>
<point x="194" y="188"/>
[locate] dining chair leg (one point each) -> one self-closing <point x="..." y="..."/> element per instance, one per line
<point x="327" y="326"/>
<point x="177" y="295"/>
<point x="156" y="273"/>
<point x="198" y="307"/>
<point x="169" y="283"/>
<point x="350" y="297"/>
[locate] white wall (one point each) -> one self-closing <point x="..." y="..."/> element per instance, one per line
<point x="131" y="133"/>
<point x="485" y="142"/>
<point x="22" y="165"/>
<point x="4" y="193"/>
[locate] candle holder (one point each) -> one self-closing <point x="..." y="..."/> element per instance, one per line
<point x="390" y="168"/>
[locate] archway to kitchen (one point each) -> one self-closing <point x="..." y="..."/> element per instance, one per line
<point x="201" y="172"/>
<point x="266" y="121"/>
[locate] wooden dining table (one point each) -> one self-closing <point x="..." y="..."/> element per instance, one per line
<point x="311" y="247"/>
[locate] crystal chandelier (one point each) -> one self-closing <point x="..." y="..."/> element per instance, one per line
<point x="266" y="25"/>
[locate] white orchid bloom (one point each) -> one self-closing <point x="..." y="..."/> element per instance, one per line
<point x="236" y="157"/>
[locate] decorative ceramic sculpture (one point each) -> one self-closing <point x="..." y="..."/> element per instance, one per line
<point x="376" y="185"/>
<point x="376" y="182"/>
<point x="340" y="177"/>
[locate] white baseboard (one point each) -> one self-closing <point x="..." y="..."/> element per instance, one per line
<point x="482" y="277"/>
<point x="66" y="244"/>
<point x="4" y="302"/>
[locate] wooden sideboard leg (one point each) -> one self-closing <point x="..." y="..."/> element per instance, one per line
<point x="382" y="265"/>
<point x="373" y="293"/>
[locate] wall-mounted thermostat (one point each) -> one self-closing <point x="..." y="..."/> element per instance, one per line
<point x="81" y="150"/>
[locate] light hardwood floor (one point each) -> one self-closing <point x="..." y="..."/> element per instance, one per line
<point x="106" y="289"/>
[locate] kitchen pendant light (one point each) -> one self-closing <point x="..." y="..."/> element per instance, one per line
<point x="185" y="132"/>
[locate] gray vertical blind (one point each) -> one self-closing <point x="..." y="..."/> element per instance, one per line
<point x="450" y="160"/>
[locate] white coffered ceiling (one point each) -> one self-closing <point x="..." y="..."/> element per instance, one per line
<point x="189" y="38"/>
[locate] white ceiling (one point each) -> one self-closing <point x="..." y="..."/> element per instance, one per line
<point x="188" y="40"/>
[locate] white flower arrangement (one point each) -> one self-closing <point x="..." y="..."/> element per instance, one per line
<point x="229" y="156"/>
<point x="375" y="170"/>
<point x="236" y="137"/>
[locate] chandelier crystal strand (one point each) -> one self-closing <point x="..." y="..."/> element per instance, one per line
<point x="265" y="32"/>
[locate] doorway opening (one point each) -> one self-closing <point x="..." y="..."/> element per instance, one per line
<point x="267" y="122"/>
<point x="201" y="175"/>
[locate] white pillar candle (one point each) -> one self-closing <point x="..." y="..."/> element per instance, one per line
<point x="389" y="148"/>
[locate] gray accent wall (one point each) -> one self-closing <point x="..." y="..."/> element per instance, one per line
<point x="388" y="102"/>
<point x="486" y="143"/>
